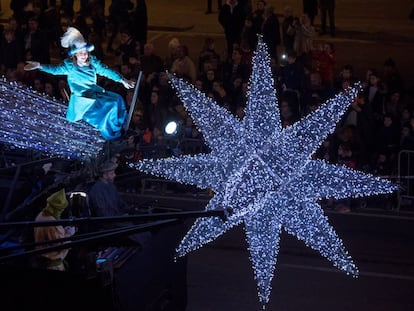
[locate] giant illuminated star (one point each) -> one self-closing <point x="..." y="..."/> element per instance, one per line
<point x="265" y="174"/>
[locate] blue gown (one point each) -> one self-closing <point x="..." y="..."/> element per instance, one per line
<point x="90" y="102"/>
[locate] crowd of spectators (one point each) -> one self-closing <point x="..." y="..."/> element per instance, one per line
<point x="377" y="126"/>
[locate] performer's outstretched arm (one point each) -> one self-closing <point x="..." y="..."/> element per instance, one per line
<point x="103" y="70"/>
<point x="61" y="69"/>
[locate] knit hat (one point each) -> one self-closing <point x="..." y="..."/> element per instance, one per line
<point x="107" y="167"/>
<point x="75" y="42"/>
<point x="56" y="203"/>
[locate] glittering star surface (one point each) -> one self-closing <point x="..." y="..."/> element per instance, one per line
<point x="266" y="174"/>
<point x="32" y="120"/>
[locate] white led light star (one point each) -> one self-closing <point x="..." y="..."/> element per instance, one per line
<point x="36" y="121"/>
<point x="265" y="174"/>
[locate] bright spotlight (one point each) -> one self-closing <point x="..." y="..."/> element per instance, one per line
<point x="171" y="128"/>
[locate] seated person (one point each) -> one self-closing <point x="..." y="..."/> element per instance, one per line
<point x="56" y="203"/>
<point x="105" y="201"/>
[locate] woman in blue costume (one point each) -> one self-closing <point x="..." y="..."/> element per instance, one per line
<point x="102" y="109"/>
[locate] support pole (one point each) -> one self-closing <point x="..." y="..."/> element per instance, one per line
<point x="133" y="102"/>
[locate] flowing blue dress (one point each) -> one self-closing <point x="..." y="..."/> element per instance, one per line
<point x="90" y="102"/>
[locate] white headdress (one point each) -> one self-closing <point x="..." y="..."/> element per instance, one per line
<point x="74" y="41"/>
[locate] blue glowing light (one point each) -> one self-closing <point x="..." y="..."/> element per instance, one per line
<point x="31" y="120"/>
<point x="266" y="174"/>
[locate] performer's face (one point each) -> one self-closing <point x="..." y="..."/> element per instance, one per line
<point x="82" y="57"/>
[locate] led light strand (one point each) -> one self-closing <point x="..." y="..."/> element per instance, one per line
<point x="29" y="119"/>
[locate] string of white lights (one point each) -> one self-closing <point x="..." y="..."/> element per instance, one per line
<point x="29" y="119"/>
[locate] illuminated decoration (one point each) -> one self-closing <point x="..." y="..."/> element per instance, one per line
<point x="32" y="120"/>
<point x="265" y="174"/>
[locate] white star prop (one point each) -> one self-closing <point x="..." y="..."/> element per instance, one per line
<point x="265" y="174"/>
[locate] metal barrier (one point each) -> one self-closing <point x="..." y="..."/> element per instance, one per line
<point x="406" y="179"/>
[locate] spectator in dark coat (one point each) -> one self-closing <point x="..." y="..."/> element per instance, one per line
<point x="231" y="18"/>
<point x="287" y="35"/>
<point x="127" y="47"/>
<point x="37" y="42"/>
<point x="293" y="80"/>
<point x="271" y="31"/>
<point x="150" y="61"/>
<point x="11" y="52"/>
<point x="310" y="8"/>
<point x="17" y="6"/>
<point x="327" y="8"/>
<point x="118" y="18"/>
<point x="235" y="68"/>
<point x="139" y="24"/>
<point x="257" y="16"/>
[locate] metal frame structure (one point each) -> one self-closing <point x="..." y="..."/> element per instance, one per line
<point x="406" y="177"/>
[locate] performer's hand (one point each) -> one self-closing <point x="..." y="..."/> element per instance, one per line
<point x="128" y="84"/>
<point x="32" y="65"/>
<point x="69" y="230"/>
<point x="46" y="167"/>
